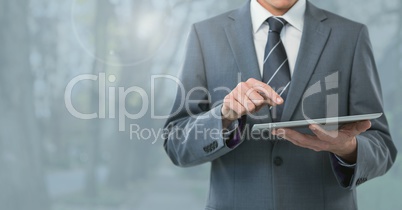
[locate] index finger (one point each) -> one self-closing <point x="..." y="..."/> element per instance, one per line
<point x="265" y="90"/>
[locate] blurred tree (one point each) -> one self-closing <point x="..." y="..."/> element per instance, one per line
<point x="332" y="6"/>
<point x="49" y="95"/>
<point x="390" y="66"/>
<point x="101" y="22"/>
<point x="397" y="123"/>
<point x="21" y="177"/>
<point x="130" y="156"/>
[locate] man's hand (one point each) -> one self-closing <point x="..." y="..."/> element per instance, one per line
<point x="248" y="97"/>
<point x="341" y="142"/>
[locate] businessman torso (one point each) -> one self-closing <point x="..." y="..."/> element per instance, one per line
<point x="264" y="173"/>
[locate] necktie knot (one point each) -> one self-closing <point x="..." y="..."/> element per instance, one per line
<point x="276" y="24"/>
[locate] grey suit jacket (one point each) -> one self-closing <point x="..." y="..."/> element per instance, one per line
<point x="335" y="75"/>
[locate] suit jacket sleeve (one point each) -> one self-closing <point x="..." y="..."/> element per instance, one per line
<point x="375" y="150"/>
<point x="193" y="132"/>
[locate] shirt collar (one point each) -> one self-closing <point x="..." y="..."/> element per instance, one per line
<point x="295" y="16"/>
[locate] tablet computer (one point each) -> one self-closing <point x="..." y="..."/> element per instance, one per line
<point x="322" y="121"/>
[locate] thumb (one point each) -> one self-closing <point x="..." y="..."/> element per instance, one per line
<point x="363" y="125"/>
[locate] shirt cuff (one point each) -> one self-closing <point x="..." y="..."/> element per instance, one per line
<point x="344" y="174"/>
<point x="344" y="163"/>
<point x="232" y="135"/>
<point x="226" y="133"/>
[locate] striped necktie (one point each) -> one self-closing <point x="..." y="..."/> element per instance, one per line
<point x="276" y="66"/>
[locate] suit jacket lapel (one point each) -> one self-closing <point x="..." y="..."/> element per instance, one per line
<point x="240" y="37"/>
<point x="314" y="39"/>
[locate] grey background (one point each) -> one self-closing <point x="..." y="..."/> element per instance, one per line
<point x="50" y="159"/>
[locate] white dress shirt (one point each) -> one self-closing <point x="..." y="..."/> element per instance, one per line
<point x="291" y="34"/>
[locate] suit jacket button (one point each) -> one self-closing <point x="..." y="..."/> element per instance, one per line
<point x="361" y="181"/>
<point x="278" y="161"/>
